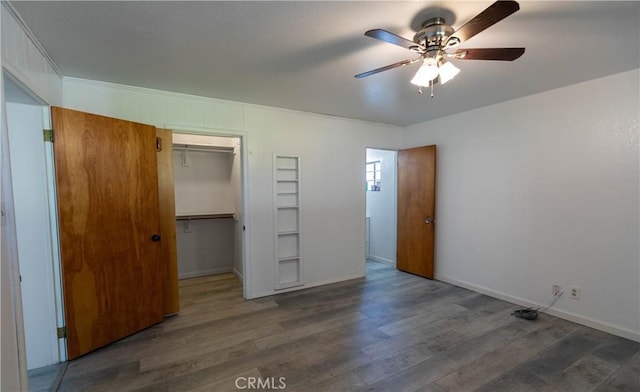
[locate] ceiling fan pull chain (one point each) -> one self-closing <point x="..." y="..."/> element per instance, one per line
<point x="420" y="90"/>
<point x="431" y="84"/>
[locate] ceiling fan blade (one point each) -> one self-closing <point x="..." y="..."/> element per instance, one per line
<point x="386" y="68"/>
<point x="386" y="36"/>
<point x="501" y="54"/>
<point x="487" y="18"/>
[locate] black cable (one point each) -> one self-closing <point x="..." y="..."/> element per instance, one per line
<point x="531" y="313"/>
<point x="526" y="313"/>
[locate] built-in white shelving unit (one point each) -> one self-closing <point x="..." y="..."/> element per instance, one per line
<point x="286" y="178"/>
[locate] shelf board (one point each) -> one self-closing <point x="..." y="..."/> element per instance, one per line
<point x="292" y="232"/>
<point x="288" y="258"/>
<point x="229" y="215"/>
<point x="287" y="207"/>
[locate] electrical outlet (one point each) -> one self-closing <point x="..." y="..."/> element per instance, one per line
<point x="556" y="289"/>
<point x="574" y="292"/>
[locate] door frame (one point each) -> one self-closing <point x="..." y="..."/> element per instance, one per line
<point x="10" y="248"/>
<point x="46" y="265"/>
<point x="244" y="183"/>
<point x="10" y="227"/>
<point x="49" y="168"/>
<point x="54" y="234"/>
<point x="395" y="198"/>
<point x="363" y="169"/>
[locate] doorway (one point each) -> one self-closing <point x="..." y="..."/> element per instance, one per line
<point x="400" y="208"/>
<point x="208" y="189"/>
<point x="381" y="203"/>
<point x="36" y="242"/>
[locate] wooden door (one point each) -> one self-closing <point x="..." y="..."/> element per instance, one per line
<point x="107" y="188"/>
<point x="166" y="195"/>
<point x="416" y="210"/>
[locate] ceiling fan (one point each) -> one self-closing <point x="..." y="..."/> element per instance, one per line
<point x="436" y="37"/>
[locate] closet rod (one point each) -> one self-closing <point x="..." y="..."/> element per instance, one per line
<point x="205" y="216"/>
<point x="226" y="150"/>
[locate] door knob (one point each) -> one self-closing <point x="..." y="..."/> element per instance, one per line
<point x="156" y="238"/>
<point x="429" y="220"/>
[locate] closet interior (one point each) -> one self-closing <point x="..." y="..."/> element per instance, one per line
<point x="208" y="203"/>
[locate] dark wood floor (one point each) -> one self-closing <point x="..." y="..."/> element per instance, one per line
<point x="389" y="332"/>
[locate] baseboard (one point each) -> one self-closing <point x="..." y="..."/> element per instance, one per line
<point x="305" y="286"/>
<point x="586" y="321"/>
<point x="381" y="259"/>
<point x="237" y="273"/>
<point x="196" y="274"/>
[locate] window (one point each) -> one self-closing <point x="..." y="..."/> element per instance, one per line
<point x="373" y="176"/>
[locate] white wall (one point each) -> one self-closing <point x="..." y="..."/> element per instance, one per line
<point x="27" y="62"/>
<point x="33" y="235"/>
<point x="203" y="186"/>
<point x="205" y="247"/>
<point x="381" y="208"/>
<point x="543" y="190"/>
<point x="332" y="152"/>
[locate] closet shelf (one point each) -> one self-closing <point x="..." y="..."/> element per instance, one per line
<point x="206" y="216"/>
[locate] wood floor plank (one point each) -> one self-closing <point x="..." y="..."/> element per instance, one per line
<point x="390" y="331"/>
<point x="415" y="378"/>
<point x="234" y="383"/>
<point x="376" y="370"/>
<point x="472" y="375"/>
<point x="534" y="373"/>
<point x="587" y="373"/>
<point x="625" y="379"/>
<point x="220" y="346"/>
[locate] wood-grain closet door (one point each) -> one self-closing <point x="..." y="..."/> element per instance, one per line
<point x="107" y="188"/>
<point x="416" y="210"/>
<point x="166" y="194"/>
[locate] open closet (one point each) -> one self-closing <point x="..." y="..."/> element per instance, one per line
<point x="207" y="179"/>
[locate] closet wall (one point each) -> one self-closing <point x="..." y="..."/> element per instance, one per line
<point x="208" y="197"/>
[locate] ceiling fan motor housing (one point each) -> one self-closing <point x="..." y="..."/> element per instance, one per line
<point x="434" y="33"/>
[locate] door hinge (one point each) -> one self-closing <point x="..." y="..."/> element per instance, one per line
<point x="62" y="333"/>
<point x="3" y="214"/>
<point x="48" y="135"/>
<point x="158" y="144"/>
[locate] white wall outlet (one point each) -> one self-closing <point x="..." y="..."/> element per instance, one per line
<point x="556" y="289"/>
<point x="574" y="292"/>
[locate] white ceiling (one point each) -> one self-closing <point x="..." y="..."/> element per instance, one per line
<point x="302" y="55"/>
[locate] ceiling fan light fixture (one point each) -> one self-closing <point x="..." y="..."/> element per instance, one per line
<point x="447" y="72"/>
<point x="426" y="73"/>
